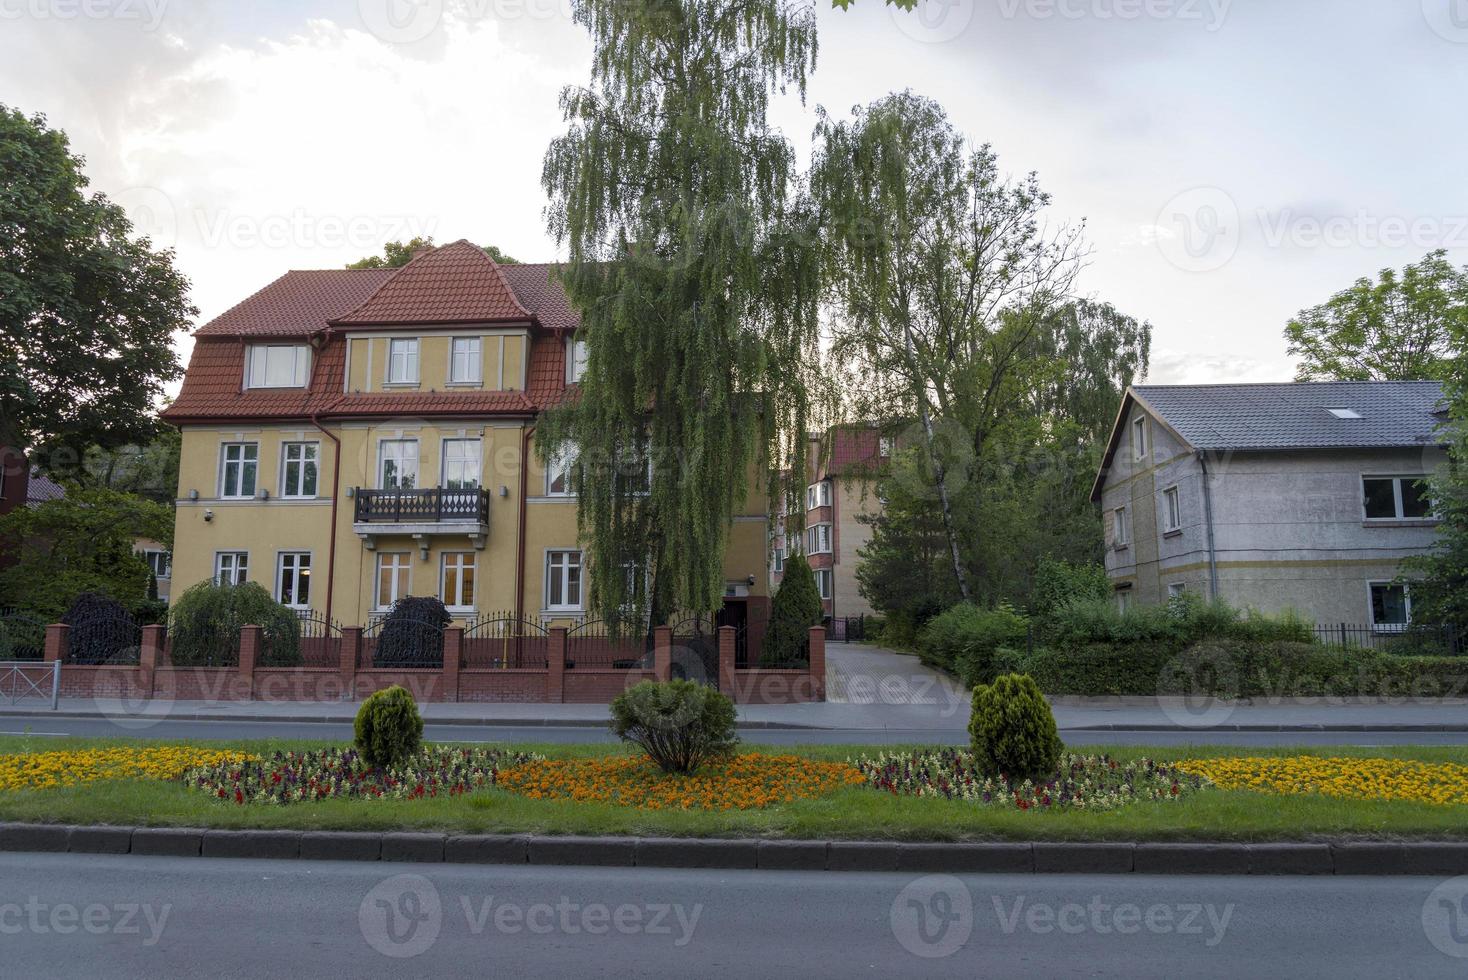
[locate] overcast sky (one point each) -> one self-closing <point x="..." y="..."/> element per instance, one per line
<point x="1234" y="160"/>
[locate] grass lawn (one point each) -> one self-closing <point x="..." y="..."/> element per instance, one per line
<point x="856" y="812"/>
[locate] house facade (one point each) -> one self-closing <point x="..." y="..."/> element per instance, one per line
<point x="352" y="437"/>
<point x="843" y="466"/>
<point x="1303" y="496"/>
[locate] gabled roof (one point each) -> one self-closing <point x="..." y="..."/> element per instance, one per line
<point x="42" y="488"/>
<point x="457" y="283"/>
<point x="1288" y="417"/>
<point x="298" y="303"/>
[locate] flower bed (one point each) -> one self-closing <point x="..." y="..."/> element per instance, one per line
<point x="744" y="782"/>
<point x="304" y="777"/>
<point x="49" y="770"/>
<point x="1442" y="783"/>
<point x="1082" y="782"/>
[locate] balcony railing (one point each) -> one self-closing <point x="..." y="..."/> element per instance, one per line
<point x="422" y="506"/>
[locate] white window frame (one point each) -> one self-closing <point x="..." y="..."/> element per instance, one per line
<point x="779" y="561"/>
<point x="1123" y="600"/>
<point x="1176" y="590"/>
<point x="818" y="539"/>
<point x="237" y="563"/>
<point x="402" y="561"/>
<point x="1140" y="441"/>
<point x="824" y="582"/>
<point x="224" y="468"/>
<point x="1172" y="509"/>
<point x="293" y="559"/>
<point x="402" y="361"/>
<point x="382" y="459"/>
<point x="257" y="365"/>
<point x="562" y="570"/>
<point x="1376" y="627"/>
<point x="310" y="453"/>
<point x="576" y="359"/>
<point x="164" y="561"/>
<point x="461" y="561"/>
<point x="1398" y="500"/>
<point x="561" y="463"/>
<point x="471" y="358"/>
<point x="477" y="459"/>
<point x="1121" y="536"/>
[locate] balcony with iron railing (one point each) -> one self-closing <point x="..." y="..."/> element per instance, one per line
<point x="421" y="513"/>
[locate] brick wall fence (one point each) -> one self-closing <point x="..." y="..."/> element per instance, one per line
<point x="155" y="677"/>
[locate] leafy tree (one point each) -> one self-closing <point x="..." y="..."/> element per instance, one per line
<point x="903" y="569"/>
<point x="204" y="625"/>
<point x="148" y="470"/>
<point x="794" y="610"/>
<point x="87" y="313"/>
<point x="1399" y="328"/>
<point x="689" y="259"/>
<point x="82" y="542"/>
<point x="395" y="255"/>
<point x="1059" y="583"/>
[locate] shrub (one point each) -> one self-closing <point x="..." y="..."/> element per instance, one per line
<point x="412" y="635"/>
<point x="101" y="632"/>
<point x="204" y="626"/>
<point x="388" y="728"/>
<point x="795" y="609"/>
<point x="964" y="638"/>
<point x="1013" y="730"/>
<point x="679" y="724"/>
<point x="1179" y="622"/>
<point x="1059" y="583"/>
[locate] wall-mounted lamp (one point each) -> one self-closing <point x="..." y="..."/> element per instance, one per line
<point x="208" y="516"/>
<point x="351" y="491"/>
<point x="193" y="495"/>
<point x="263" y="494"/>
<point x="750" y="580"/>
<point x="504" y="490"/>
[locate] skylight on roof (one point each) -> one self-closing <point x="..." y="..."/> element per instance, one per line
<point x="1344" y="413"/>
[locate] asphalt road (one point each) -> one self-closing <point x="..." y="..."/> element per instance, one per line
<point x="55" y="727"/>
<point x="123" y="916"/>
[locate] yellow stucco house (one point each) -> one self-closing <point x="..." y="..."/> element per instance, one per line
<point x="351" y="437"/>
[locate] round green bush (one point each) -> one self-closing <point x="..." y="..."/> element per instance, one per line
<point x="204" y="626"/>
<point x="388" y="728"/>
<point x="1013" y="729"/>
<point x="679" y="724"/>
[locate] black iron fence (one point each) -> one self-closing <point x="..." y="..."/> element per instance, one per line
<point x="847" y="629"/>
<point x="320" y="641"/>
<point x="503" y="639"/>
<point x="22" y="637"/>
<point x="402" y="643"/>
<point x="591" y="645"/>
<point x="695" y="653"/>
<point x="421" y="506"/>
<point x="1424" y="639"/>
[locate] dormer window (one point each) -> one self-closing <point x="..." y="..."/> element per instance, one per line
<point x="278" y="366"/>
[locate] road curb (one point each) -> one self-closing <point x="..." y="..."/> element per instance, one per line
<point x="428" y="720"/>
<point x="1345" y="857"/>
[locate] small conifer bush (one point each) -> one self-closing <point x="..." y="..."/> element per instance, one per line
<point x="388" y="729"/>
<point x="1013" y="730"/>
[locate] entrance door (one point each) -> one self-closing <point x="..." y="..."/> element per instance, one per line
<point x="736" y="614"/>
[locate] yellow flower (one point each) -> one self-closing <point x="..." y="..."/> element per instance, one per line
<point x="48" y="770"/>
<point x="1442" y="783"/>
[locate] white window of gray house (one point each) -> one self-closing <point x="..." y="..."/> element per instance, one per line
<point x="818" y="539"/>
<point x="1123" y="601"/>
<point x="563" y="581"/>
<point x="293" y="579"/>
<point x="398" y="464"/>
<point x="1172" y="503"/>
<point x="458" y="580"/>
<point x="461" y="464"/>
<point x="231" y="567"/>
<point x="823" y="582"/>
<point x="1395" y="498"/>
<point x="1391" y="606"/>
<point x="465" y="364"/>
<point x="298" y="469"/>
<point x="160" y="563"/>
<point x="402" y="361"/>
<point x="1176" y="590"/>
<point x="1120" y="534"/>
<point x="239" y="465"/>
<point x="1139" y="437"/>
<point x="576" y="357"/>
<point x="560" y="472"/>
<point x="278" y="366"/>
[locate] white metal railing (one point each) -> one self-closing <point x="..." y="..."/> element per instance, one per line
<point x="28" y="678"/>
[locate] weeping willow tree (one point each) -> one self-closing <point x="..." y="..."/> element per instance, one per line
<point x="690" y="261"/>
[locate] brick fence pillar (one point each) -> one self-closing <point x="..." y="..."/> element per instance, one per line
<point x="349" y="654"/>
<point x="727" y="673"/>
<point x="249" y="655"/>
<point x="555" y="678"/>
<point x="662" y="653"/>
<point x="453" y="659"/>
<point x="58" y="641"/>
<point x="818" y="662"/>
<point x="150" y="654"/>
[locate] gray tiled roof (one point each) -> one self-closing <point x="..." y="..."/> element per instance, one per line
<point x="43" y="488"/>
<point x="1296" y="416"/>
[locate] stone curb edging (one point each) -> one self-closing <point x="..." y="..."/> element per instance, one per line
<point x="1204" y="857"/>
<point x="347" y="720"/>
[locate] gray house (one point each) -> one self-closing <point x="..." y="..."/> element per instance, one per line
<point x="1272" y="496"/>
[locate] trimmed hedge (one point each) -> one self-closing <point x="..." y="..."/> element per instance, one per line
<point x="963" y="640"/>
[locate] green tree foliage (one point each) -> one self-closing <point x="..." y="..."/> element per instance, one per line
<point x="964" y="639"/>
<point x="794" y="610"/>
<point x="82" y="542"/>
<point x="1059" y="583"/>
<point x="148" y="470"/>
<point x="689" y="260"/>
<point x="903" y="570"/>
<point x="1402" y="327"/>
<point x="395" y="255"/>
<point x="204" y="626"/>
<point x="679" y="724"/>
<point x="388" y="729"/>
<point x="87" y="313"/>
<point x="1013" y="729"/>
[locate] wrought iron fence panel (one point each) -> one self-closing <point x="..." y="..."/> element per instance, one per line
<point x="403" y="643"/>
<point x="1412" y="639"/>
<point x="590" y="645"/>
<point x="320" y="641"/>
<point x="505" y="640"/>
<point x="695" y="654"/>
<point x="108" y="638"/>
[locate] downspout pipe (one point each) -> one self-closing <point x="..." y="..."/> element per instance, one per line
<point x="520" y="543"/>
<point x="1208" y="519"/>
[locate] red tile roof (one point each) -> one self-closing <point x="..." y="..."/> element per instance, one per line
<point x="539" y="293"/>
<point x="298" y="303"/>
<point x="454" y="284"/>
<point x="853" y="447"/>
